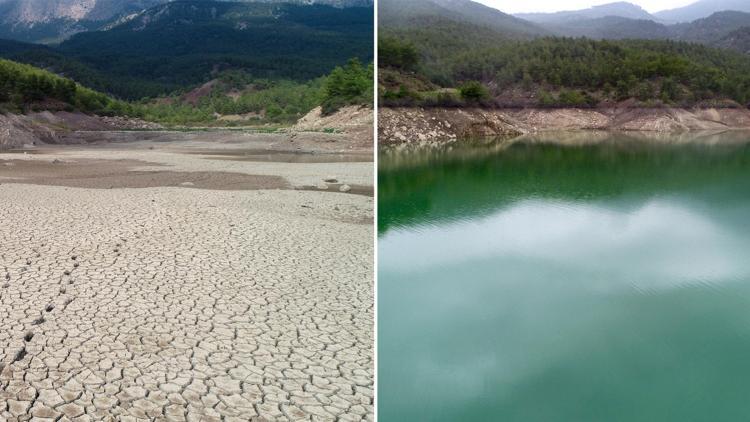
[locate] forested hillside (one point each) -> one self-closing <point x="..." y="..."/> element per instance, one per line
<point x="702" y="9"/>
<point x="433" y="14"/>
<point x="569" y="72"/>
<point x="25" y="88"/>
<point x="620" y="9"/>
<point x="52" y="21"/>
<point x="179" y="45"/>
<point x="738" y="40"/>
<point x="711" y="21"/>
<point x="238" y="98"/>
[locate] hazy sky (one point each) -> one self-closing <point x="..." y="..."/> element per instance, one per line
<point x="518" y="6"/>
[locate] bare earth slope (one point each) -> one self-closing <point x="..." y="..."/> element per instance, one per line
<point x="355" y="121"/>
<point x="399" y="125"/>
<point x="47" y="127"/>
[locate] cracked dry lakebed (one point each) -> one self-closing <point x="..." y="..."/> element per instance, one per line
<point x="147" y="282"/>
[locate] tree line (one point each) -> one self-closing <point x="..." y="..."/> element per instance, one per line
<point x="267" y="100"/>
<point x="572" y="71"/>
<point x="25" y="88"/>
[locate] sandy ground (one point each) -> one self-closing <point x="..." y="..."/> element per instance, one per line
<point x="273" y="160"/>
<point x="184" y="286"/>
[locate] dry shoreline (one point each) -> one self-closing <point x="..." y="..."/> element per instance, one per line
<point x="409" y="125"/>
<point x="149" y="275"/>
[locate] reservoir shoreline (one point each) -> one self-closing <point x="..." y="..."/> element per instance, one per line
<point x="416" y="124"/>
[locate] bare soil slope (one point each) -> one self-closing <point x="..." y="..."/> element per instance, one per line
<point x="400" y="125"/>
<point x="48" y="127"/>
<point x="355" y="121"/>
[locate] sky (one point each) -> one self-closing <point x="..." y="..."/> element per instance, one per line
<point x="516" y="6"/>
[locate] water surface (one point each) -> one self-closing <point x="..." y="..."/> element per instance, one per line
<point x="583" y="277"/>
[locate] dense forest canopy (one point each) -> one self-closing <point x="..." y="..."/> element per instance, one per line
<point x="236" y="93"/>
<point x="568" y="71"/>
<point x="25" y="88"/>
<point x="454" y="52"/>
<point x="182" y="44"/>
<point x="202" y="62"/>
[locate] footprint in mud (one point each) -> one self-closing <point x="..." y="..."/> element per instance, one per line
<point x="20" y="355"/>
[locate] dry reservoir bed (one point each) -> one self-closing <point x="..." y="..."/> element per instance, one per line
<point x="185" y="303"/>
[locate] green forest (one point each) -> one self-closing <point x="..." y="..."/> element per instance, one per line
<point x="201" y="63"/>
<point x="186" y="43"/>
<point x="25" y="88"/>
<point x="274" y="101"/>
<point x="554" y="72"/>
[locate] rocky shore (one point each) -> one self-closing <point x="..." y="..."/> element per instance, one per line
<point x="407" y="125"/>
<point x="354" y="121"/>
<point x="48" y="127"/>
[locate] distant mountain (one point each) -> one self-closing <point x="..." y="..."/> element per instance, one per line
<point x="422" y="13"/>
<point x="702" y="9"/>
<point x="618" y="9"/>
<point x="738" y="40"/>
<point x="334" y="3"/>
<point x="424" y="46"/>
<point x="441" y="31"/>
<point x="55" y="20"/>
<point x="611" y="27"/>
<point x="709" y="30"/>
<point x="45" y="11"/>
<point x="713" y="28"/>
<point x="181" y="44"/>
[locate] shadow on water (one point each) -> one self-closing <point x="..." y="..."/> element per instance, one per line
<point x="446" y="182"/>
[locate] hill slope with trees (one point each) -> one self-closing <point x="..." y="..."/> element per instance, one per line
<point x="52" y="21"/>
<point x="186" y="43"/>
<point x="25" y="88"/>
<point x="465" y="63"/>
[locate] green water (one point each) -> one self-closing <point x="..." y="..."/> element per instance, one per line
<point x="606" y="280"/>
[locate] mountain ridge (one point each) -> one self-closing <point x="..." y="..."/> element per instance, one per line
<point x="184" y="44"/>
<point x="620" y="9"/>
<point x="701" y="9"/>
<point x="397" y="13"/>
<point x="51" y="21"/>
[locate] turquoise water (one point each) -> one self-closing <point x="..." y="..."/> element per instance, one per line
<point x="604" y="280"/>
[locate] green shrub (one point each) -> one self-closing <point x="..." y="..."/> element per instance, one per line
<point x="572" y="98"/>
<point x="395" y="53"/>
<point x="347" y="85"/>
<point x="546" y="99"/>
<point x="473" y="91"/>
